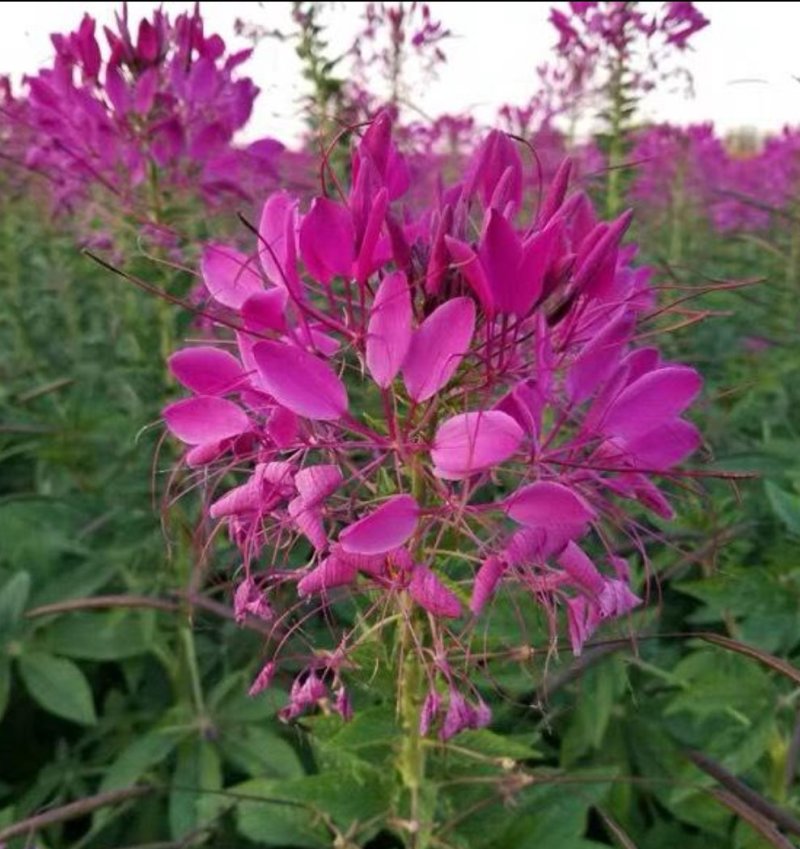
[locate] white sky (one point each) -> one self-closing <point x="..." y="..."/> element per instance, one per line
<point x="743" y="64"/>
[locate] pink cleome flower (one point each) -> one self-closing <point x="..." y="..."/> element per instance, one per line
<point x="435" y="406"/>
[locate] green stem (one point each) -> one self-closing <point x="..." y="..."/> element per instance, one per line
<point x="411" y="757"/>
<point x="616" y="148"/>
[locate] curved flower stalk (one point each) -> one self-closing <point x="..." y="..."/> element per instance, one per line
<point x="152" y="115"/>
<point x="429" y="413"/>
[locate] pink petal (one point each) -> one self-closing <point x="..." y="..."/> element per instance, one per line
<point x="308" y="521"/>
<point x="500" y="254"/>
<point x="556" y="192"/>
<point x="277" y="241"/>
<point x="486" y="581"/>
<point x="600" y="356"/>
<point x="382" y="530"/>
<point x="316" y="483"/>
<point x="389" y="329"/>
<point x="429" y="592"/>
<point x="229" y="275"/>
<point x="651" y="401"/>
<point x="582" y="620"/>
<point x="467" y="262"/>
<point x="206" y="370"/>
<point x="665" y="446"/>
<point x="202" y="455"/>
<point x="437" y="348"/>
<point x="266" y="310"/>
<point x="365" y="261"/>
<point x="332" y="572"/>
<point x="473" y="442"/>
<point x="327" y="240"/>
<point x="246" y="498"/>
<point x="550" y="506"/>
<point x="300" y="381"/>
<point x="538" y="252"/>
<point x="577" y="564"/>
<point x="198" y="421"/>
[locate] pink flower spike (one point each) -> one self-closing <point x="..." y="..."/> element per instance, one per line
<point x="549" y="505"/>
<point x="327" y="241"/>
<point x="204" y="419"/>
<point x="652" y="400"/>
<point x="332" y="572"/>
<point x="389" y="329"/>
<point x="486" y="581"/>
<point x="474" y="442"/>
<point x="206" y="370"/>
<point x="382" y="530"/>
<point x="300" y="381"/>
<point x="316" y="483"/>
<point x="429" y="592"/>
<point x="437" y="348"/>
<point x="229" y="275"/>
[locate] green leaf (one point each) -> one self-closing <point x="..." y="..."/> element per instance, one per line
<point x="59" y="686"/>
<point x="197" y="775"/>
<point x="786" y="506"/>
<point x="137" y="758"/>
<point x="343" y="800"/>
<point x="5" y="684"/>
<point x="261" y="752"/>
<point x="100" y="636"/>
<point x="13" y="598"/>
<point x="485" y="742"/>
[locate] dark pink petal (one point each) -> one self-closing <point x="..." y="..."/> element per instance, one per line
<point x="665" y="446"/>
<point x="283" y="427"/>
<point x="372" y="564"/>
<point x="538" y="252"/>
<point x="429" y="592"/>
<point x="198" y="421"/>
<point x="577" y="564"/>
<point x="316" y="483"/>
<point x="524" y="403"/>
<point x="389" y="329"/>
<point x="266" y="310"/>
<point x="308" y="520"/>
<point x="249" y="600"/>
<point x="327" y="240"/>
<point x="651" y="401"/>
<point x="332" y="572"/>
<point x="467" y="262"/>
<point x="206" y="370"/>
<point x="229" y="275"/>
<point x="300" y="381"/>
<point x="548" y="505"/>
<point x="600" y="356"/>
<point x="377" y="215"/>
<point x="279" y="473"/>
<point x="486" y="581"/>
<point x="473" y="442"/>
<point x="437" y="348"/>
<point x="430" y="708"/>
<point x="382" y="530"/>
<point x="500" y="253"/>
<point x="556" y="193"/>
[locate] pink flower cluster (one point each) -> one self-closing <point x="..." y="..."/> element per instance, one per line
<point x="163" y="105"/>
<point x="437" y="406"/>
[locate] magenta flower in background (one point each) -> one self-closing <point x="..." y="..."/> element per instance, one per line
<point x="435" y="408"/>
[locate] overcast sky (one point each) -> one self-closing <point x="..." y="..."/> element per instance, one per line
<point x="743" y="64"/>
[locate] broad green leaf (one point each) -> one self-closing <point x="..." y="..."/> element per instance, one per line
<point x="260" y="752"/>
<point x="111" y="635"/>
<point x="490" y="744"/>
<point x="196" y="778"/>
<point x="59" y="686"/>
<point x="137" y="758"/>
<point x="270" y="822"/>
<point x="786" y="506"/>
<point x="13" y="598"/>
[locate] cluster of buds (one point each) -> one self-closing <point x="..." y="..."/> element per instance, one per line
<point x="429" y="409"/>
